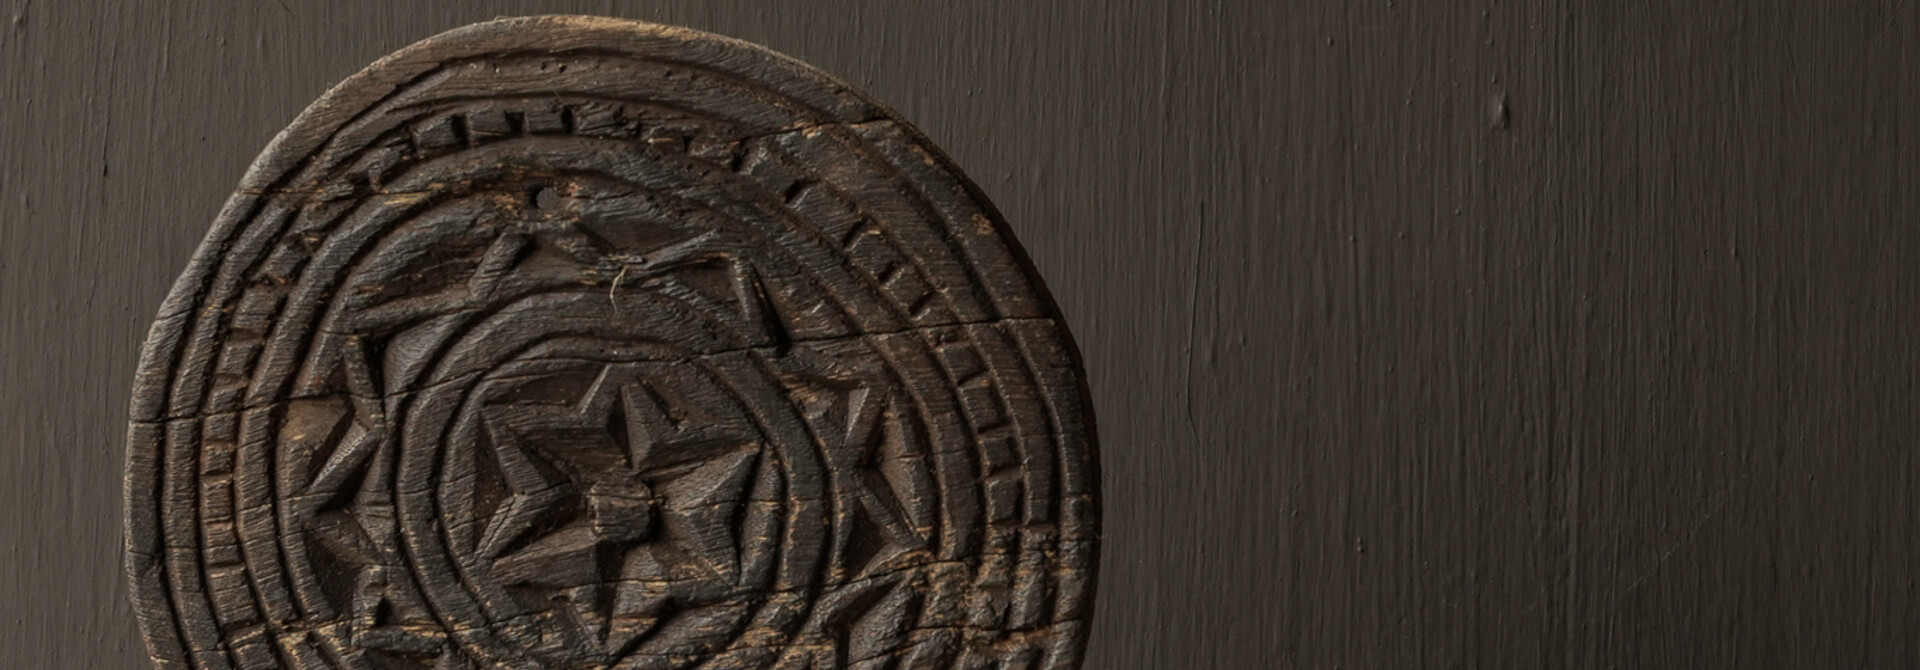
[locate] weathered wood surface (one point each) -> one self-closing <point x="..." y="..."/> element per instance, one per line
<point x="1619" y="378"/>
<point x="576" y="342"/>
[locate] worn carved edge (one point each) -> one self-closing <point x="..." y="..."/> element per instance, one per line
<point x="152" y="403"/>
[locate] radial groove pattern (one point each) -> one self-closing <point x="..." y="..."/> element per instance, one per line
<point x="579" y="343"/>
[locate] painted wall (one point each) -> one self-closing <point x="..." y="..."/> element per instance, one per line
<point x="1478" y="334"/>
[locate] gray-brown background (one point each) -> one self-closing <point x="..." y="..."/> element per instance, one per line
<point x="1463" y="334"/>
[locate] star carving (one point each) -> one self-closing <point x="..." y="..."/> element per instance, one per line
<point x="615" y="504"/>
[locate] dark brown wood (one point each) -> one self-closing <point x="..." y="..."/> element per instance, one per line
<point x="575" y="342"/>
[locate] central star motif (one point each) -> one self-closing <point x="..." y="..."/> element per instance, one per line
<point x="618" y="504"/>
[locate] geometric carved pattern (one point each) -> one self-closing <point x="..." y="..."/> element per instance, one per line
<point x="581" y="343"/>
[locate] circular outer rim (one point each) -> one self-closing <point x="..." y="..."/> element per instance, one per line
<point x="144" y="554"/>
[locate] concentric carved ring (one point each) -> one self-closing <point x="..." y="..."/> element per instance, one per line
<point x="579" y="343"/>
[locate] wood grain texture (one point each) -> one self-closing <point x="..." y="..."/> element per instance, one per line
<point x="1480" y="334"/>
<point x="575" y="342"/>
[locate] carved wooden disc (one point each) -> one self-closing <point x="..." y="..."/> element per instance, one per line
<point x="580" y="343"/>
